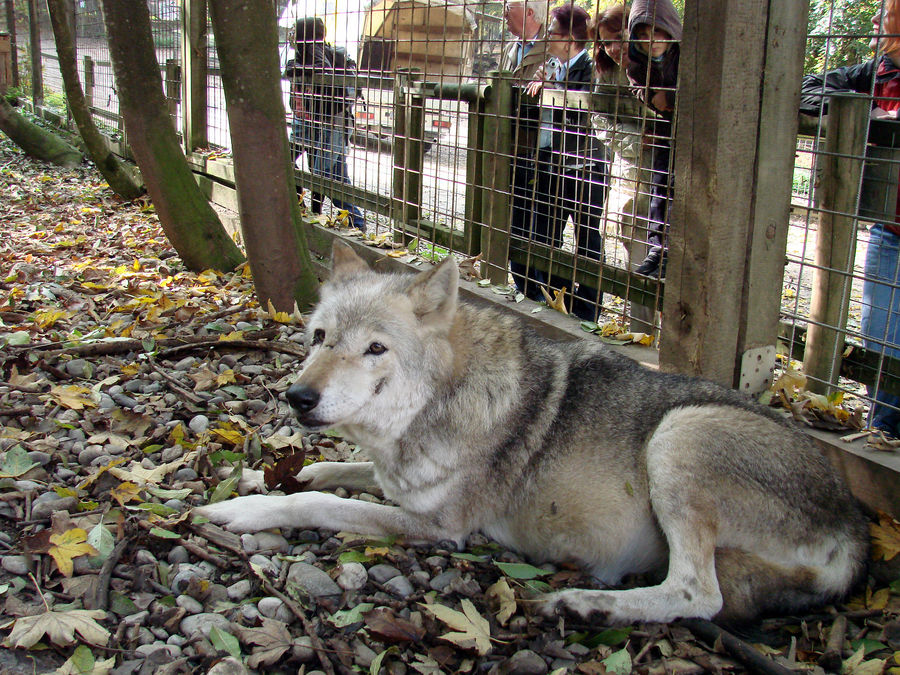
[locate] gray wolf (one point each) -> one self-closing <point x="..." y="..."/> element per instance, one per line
<point x="561" y="451"/>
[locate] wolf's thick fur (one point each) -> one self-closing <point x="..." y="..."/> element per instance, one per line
<point x="562" y="451"/>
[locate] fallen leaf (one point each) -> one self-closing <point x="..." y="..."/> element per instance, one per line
<point x="73" y="397"/>
<point x="885" y="537"/>
<point x="16" y="462"/>
<point x="272" y="639"/>
<point x="82" y="662"/>
<point x="67" y="546"/>
<point x="60" y="627"/>
<point x="558" y="301"/>
<point x="384" y="625"/>
<point x="474" y="632"/>
<point x="502" y="599"/>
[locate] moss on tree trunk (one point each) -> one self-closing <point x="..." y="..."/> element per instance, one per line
<point x="36" y="141"/>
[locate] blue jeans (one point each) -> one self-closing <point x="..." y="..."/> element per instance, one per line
<point x="326" y="148"/>
<point x="880" y="322"/>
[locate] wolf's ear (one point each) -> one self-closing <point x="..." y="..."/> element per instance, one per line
<point x="344" y="261"/>
<point x="434" y="291"/>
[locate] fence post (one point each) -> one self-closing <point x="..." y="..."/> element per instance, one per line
<point x="845" y="144"/>
<point x="498" y="148"/>
<point x="89" y="80"/>
<point x="37" y="79"/>
<point x="409" y="149"/>
<point x="193" y="74"/>
<point x="475" y="178"/>
<point x="173" y="86"/>
<point x="13" y="43"/>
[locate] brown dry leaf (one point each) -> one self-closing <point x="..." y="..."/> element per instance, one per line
<point x="384" y="625"/>
<point x="469" y="268"/>
<point x="558" y="301"/>
<point x="472" y="630"/>
<point x="885" y="537"/>
<point x="73" y="397"/>
<point x="272" y="639"/>
<point x="283" y="474"/>
<point x="125" y="492"/>
<point x="60" y="627"/>
<point x="141" y="476"/>
<point x="502" y="600"/>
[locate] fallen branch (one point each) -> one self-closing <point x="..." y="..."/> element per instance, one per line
<point x="737" y="648"/>
<point x="833" y="656"/>
<point x="264" y="345"/>
<point x="177" y="386"/>
<point x="100" y="598"/>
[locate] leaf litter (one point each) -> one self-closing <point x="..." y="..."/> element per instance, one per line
<point x="129" y="385"/>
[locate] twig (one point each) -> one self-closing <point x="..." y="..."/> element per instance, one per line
<point x="15" y="412"/>
<point x="100" y="599"/>
<point x="264" y="345"/>
<point x="832" y="657"/>
<point x="198" y="551"/>
<point x="176" y="385"/>
<point x="737" y="648"/>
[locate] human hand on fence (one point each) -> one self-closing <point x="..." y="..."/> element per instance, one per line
<point x="881" y="114"/>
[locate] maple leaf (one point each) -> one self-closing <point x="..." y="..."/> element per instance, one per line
<point x="558" y="301"/>
<point x="272" y="639"/>
<point x="125" y="492"/>
<point x="141" y="476"/>
<point x="60" y="627"/>
<point x="885" y="537"/>
<point x="68" y="546"/>
<point x="503" y="600"/>
<point x="473" y="629"/>
<point x="73" y="397"/>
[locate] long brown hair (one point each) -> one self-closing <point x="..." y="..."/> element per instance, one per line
<point x="890" y="26"/>
<point x="613" y="20"/>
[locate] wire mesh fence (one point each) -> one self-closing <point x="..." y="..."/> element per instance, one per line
<point x="558" y="171"/>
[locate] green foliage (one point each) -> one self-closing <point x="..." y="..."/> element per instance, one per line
<point x="839" y="33"/>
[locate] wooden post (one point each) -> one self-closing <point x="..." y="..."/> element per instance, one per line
<point x="736" y="108"/>
<point x="173" y="86"/>
<point x="193" y="75"/>
<point x="37" y="79"/>
<point x="409" y="149"/>
<point x="498" y="149"/>
<point x="845" y="145"/>
<point x="5" y="63"/>
<point x="11" y="29"/>
<point x="474" y="178"/>
<point x="89" y="81"/>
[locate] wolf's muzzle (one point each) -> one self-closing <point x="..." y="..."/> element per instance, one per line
<point x="302" y="398"/>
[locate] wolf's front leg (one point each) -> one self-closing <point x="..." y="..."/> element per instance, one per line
<point x="311" y="510"/>
<point x="320" y="476"/>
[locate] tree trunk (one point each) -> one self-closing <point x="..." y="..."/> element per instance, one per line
<point x="36" y="141"/>
<point x="190" y="223"/>
<point x="120" y="176"/>
<point x="247" y="44"/>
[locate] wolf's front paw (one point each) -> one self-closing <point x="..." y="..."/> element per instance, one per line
<point x="247" y="514"/>
<point x="252" y="480"/>
<point x="583" y="603"/>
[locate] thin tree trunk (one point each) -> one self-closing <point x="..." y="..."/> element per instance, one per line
<point x="247" y="45"/>
<point x="190" y="223"/>
<point x="36" y="141"/>
<point x="120" y="176"/>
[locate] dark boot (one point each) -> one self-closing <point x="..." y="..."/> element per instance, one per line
<point x="654" y="265"/>
<point x="316" y="202"/>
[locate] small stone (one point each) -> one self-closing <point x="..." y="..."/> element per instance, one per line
<point x="185" y="363"/>
<point x="250" y="613"/>
<point x="178" y="555"/>
<point x="80" y="368"/>
<point x="269" y="541"/>
<point x="382" y="573"/>
<point x="312" y="580"/>
<point x="202" y="624"/>
<point x="239" y="590"/>
<point x="144" y="557"/>
<point x="15" y="564"/>
<point x="42" y="458"/>
<point x="303" y="649"/>
<point x="274" y="608"/>
<point x="190" y="605"/>
<point x="199" y="424"/>
<point x="442" y="580"/>
<point x="249" y="543"/>
<point x="89" y="454"/>
<point x="43" y="509"/>
<point x="525" y="662"/>
<point x="137" y="619"/>
<point x="268" y="565"/>
<point x="399" y="586"/>
<point x="185" y="473"/>
<point x="172" y="453"/>
<point x="353" y="576"/>
<point x="228" y="666"/>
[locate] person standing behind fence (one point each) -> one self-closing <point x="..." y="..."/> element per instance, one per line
<point x="654" y="30"/>
<point x="880" y="321"/>
<point x="573" y="175"/>
<point x="322" y="112"/>
<point x="618" y="124"/>
<point x="525" y="20"/>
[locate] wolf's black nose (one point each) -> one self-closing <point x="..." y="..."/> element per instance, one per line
<point x="302" y="398"/>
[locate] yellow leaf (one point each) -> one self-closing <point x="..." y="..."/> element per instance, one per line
<point x="558" y="301"/>
<point x="231" y="435"/>
<point x="46" y="318"/>
<point x="880" y="598"/>
<point x="280" y="317"/>
<point x="233" y="335"/>
<point x="125" y="492"/>
<point x="502" y="599"/>
<point x="103" y="469"/>
<point x="225" y="377"/>
<point x="372" y="551"/>
<point x="67" y="546"/>
<point x="885" y="537"/>
<point x="73" y="397"/>
<point x="131" y="369"/>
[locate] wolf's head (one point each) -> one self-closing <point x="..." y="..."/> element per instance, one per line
<point x="378" y="346"/>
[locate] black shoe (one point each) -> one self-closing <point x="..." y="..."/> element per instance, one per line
<point x="316" y="203"/>
<point x="650" y="267"/>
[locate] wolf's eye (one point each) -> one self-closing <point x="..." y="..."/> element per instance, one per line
<point x="318" y="336"/>
<point x="376" y="348"/>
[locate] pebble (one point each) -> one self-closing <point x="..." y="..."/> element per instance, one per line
<point x="525" y="662"/>
<point x="172" y="453"/>
<point x="269" y="541"/>
<point x="137" y="619"/>
<point x="144" y="557"/>
<point x="353" y="576"/>
<point x="314" y="581"/>
<point x="202" y="624"/>
<point x="178" y="555"/>
<point x="89" y="454"/>
<point x="239" y="590"/>
<point x="185" y="473"/>
<point x="303" y="650"/>
<point x="198" y="423"/>
<point x="185" y="363"/>
<point x="42" y="458"/>
<point x="79" y="368"/>
<point x="399" y="586"/>
<point x="250" y="613"/>
<point x="442" y="580"/>
<point x="106" y="402"/>
<point x="382" y="572"/>
<point x="274" y="608"/>
<point x="269" y="566"/>
<point x="124" y="401"/>
<point x="44" y="508"/>
<point x="228" y="666"/>
<point x="189" y="604"/>
<point x="249" y="543"/>
<point x="15" y="564"/>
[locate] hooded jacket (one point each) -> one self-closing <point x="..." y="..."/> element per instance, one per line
<point x="642" y="70"/>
